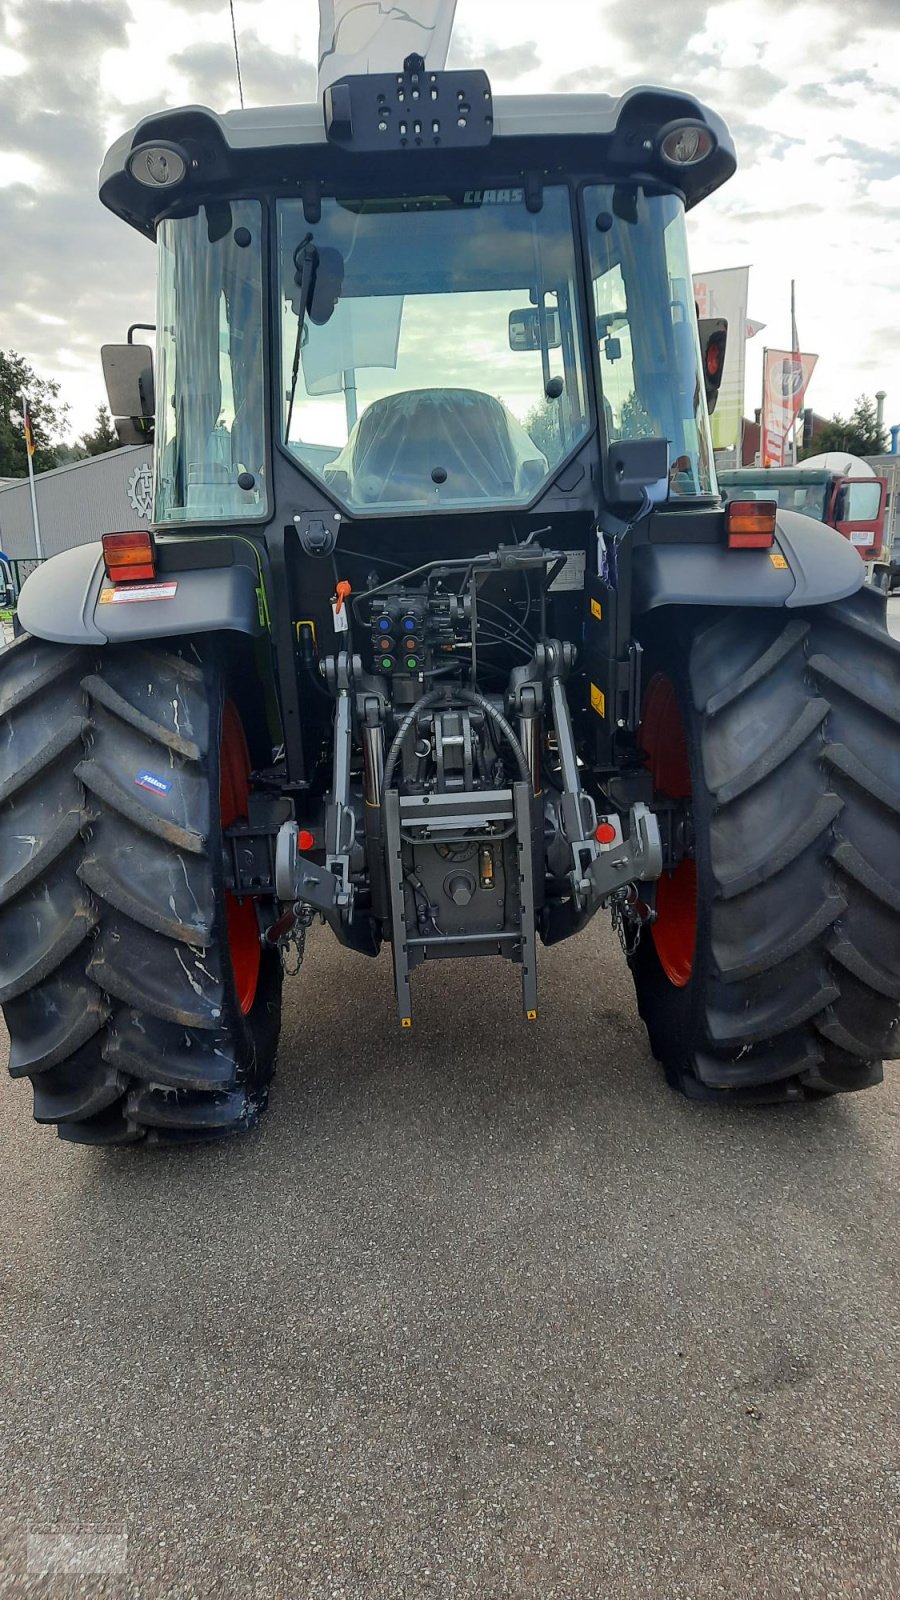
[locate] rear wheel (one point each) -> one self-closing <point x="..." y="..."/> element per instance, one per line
<point x="772" y="971"/>
<point x="134" y="988"/>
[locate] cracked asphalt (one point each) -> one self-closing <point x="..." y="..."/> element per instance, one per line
<point x="479" y="1311"/>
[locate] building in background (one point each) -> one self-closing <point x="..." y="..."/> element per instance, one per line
<point x="77" y="503"/>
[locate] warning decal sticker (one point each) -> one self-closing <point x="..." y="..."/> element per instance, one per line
<point x="598" y="701"/>
<point x="123" y="594"/>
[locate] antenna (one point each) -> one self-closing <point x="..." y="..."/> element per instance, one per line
<point x="237" y="57"/>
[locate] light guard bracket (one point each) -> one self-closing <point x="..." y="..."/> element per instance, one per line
<point x="409" y="110"/>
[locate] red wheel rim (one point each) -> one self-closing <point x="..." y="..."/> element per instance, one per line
<point x="663" y="738"/>
<point x="240" y="915"/>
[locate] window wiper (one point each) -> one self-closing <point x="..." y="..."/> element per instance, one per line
<point x="306" y="259"/>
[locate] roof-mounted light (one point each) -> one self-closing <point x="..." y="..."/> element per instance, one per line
<point x="158" y="166"/>
<point x="685" y="144"/>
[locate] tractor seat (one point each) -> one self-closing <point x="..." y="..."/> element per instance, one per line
<point x="421" y="444"/>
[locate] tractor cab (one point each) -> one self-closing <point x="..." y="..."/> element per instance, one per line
<point x="424" y="302"/>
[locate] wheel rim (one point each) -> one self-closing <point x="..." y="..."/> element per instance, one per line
<point x="663" y="738"/>
<point x="240" y="915"/>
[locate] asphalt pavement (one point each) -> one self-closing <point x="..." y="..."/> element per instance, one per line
<point x="479" y="1311"/>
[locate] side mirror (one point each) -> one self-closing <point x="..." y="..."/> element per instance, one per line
<point x="134" y="430"/>
<point x="713" y="338"/>
<point x="525" y="329"/>
<point x="128" y="375"/>
<point x="636" y="468"/>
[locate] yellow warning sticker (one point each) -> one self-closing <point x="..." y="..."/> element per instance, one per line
<point x="778" y="561"/>
<point x="597" y="610"/>
<point x="406" y="1022"/>
<point x="598" y="701"/>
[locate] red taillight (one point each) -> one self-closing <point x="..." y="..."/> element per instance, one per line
<point x="306" y="839"/>
<point x="750" y="524"/>
<point x="715" y="356"/>
<point x="129" y="557"/>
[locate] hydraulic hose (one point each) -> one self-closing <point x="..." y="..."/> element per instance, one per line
<point x="434" y="697"/>
<point x="503" y="727"/>
<point x="442" y="697"/>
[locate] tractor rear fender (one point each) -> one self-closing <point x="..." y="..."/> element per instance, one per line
<point x="70" y="600"/>
<point x="808" y="565"/>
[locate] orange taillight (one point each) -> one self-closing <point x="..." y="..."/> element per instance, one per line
<point x="750" y="524"/>
<point x="129" y="557"/>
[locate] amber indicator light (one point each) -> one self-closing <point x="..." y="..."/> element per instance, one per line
<point x="129" y="557"/>
<point x="750" y="524"/>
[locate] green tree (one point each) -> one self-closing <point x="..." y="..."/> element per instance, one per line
<point x="859" y="433"/>
<point x="48" y="417"/>
<point x="103" y="438"/>
<point x="636" y="422"/>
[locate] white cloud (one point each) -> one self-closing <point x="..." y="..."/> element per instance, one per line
<point x="808" y="88"/>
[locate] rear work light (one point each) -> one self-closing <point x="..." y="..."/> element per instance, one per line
<point x="750" y="524"/>
<point x="685" y="144"/>
<point x="129" y="557"/>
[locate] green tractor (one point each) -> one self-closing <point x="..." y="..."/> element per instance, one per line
<point x="442" y="633"/>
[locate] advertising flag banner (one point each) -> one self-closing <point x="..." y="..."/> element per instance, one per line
<point x="724" y="294"/>
<point x="785" y="381"/>
<point x="369" y="36"/>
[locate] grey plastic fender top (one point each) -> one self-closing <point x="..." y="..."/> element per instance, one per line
<point x="821" y="566"/>
<point x="69" y="600"/>
<point x="57" y="601"/>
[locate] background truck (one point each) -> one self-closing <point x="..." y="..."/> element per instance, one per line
<point x="839" y="490"/>
<point x="442" y="633"/>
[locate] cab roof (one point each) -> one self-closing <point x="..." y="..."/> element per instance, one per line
<point x="534" y="138"/>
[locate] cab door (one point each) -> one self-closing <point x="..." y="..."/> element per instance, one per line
<point x="857" y="511"/>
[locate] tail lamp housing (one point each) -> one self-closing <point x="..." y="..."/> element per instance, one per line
<point x="750" y="524"/>
<point x="129" y="557"/>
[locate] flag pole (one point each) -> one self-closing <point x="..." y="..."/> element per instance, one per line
<point x="795" y="354"/>
<point x="762" y="412"/>
<point x="29" y="452"/>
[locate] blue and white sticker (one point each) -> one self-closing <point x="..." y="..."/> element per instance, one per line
<point x="149" y="780"/>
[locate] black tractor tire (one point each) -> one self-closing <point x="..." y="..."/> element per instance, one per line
<point x="118" y="975"/>
<point x="792" y="731"/>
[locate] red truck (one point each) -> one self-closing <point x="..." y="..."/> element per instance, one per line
<point x="837" y="489"/>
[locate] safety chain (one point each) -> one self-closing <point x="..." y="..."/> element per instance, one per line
<point x="296" y="938"/>
<point x="630" y="915"/>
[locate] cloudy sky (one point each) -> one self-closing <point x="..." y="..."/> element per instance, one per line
<point x="811" y="91"/>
